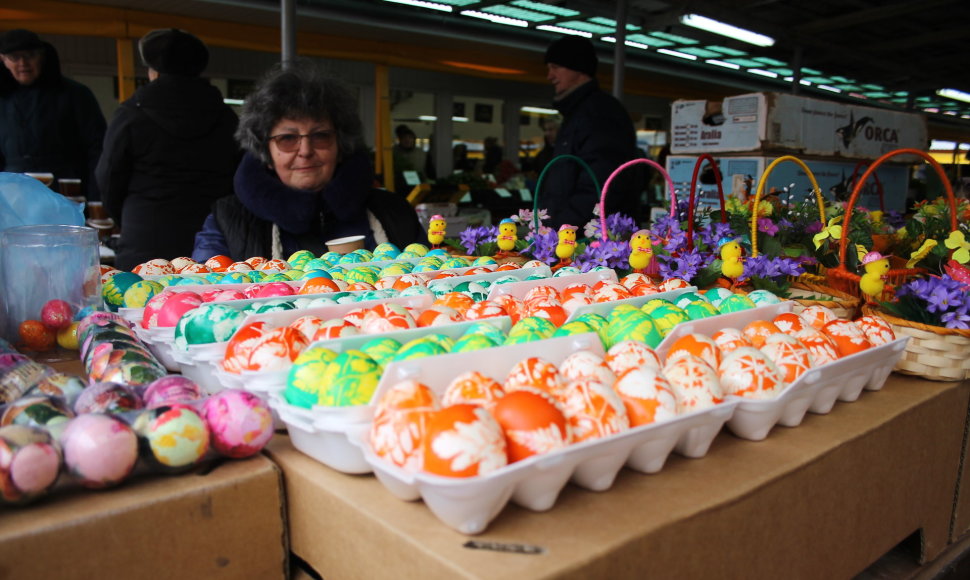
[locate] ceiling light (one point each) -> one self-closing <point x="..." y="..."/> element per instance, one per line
<point x="954" y="94"/>
<point x="432" y="118"/>
<point x="496" y="18"/>
<point x="562" y="30"/>
<point x="423" y="4"/>
<point x="682" y="55"/>
<point x="716" y="62"/>
<point x="828" y="88"/>
<point x="728" y="30"/>
<point x="539" y="110"/>
<point x="626" y="42"/>
<point x="237" y="102"/>
<point x="764" y="73"/>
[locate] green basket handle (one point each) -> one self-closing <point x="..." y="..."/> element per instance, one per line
<point x="554" y="160"/>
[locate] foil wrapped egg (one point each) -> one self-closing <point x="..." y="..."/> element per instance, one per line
<point x="240" y="423"/>
<point x="171" y="389"/>
<point x="172" y="436"/>
<point x="99" y="450"/>
<point x="107" y="397"/>
<point x="30" y="463"/>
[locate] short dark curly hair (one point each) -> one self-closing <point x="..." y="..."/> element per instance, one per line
<point x="299" y="91"/>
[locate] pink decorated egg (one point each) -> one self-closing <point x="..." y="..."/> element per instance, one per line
<point x="240" y="423"/>
<point x="275" y="289"/>
<point x="223" y="295"/>
<point x="173" y="308"/>
<point x="149" y="317"/>
<point x="29" y="463"/>
<point x="542" y="292"/>
<point x="171" y="389"/>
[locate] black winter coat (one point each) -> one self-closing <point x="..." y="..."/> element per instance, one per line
<point x="169" y="153"/>
<point x="597" y="129"/>
<point x="52" y="126"/>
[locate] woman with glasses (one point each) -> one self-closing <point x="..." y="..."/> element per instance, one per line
<point x="306" y="177"/>
<point x="48" y="122"/>
<point x="169" y="152"/>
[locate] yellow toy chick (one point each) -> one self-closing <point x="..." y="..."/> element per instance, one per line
<point x="567" y="244"/>
<point x="641" y="251"/>
<point x="437" y="227"/>
<point x="732" y="266"/>
<point x="507" y="237"/>
<point x="873" y="282"/>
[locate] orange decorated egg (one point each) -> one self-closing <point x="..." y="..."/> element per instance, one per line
<point x="218" y="263"/>
<point x="386" y="317"/>
<point x="463" y="441"/>
<point x="699" y="345"/>
<point x="540" y="293"/>
<point x="535" y="373"/>
<point x="255" y="261"/>
<point x="485" y="309"/>
<point x="644" y="289"/>
<point x="748" y="372"/>
<point x="335" y="328"/>
<point x="673" y="284"/>
<point x="630" y="354"/>
<point x="574" y="290"/>
<point x="820" y="345"/>
<point x="438" y="316"/>
<point x="584" y="364"/>
<point x="593" y="409"/>
<point x="789" y="354"/>
<point x="608" y="291"/>
<point x="634" y="278"/>
<point x="239" y="267"/>
<point x="647" y="396"/>
<point x="728" y="339"/>
<point x="401" y="422"/>
<point x="757" y="331"/>
<point x="457" y="300"/>
<point x="575" y="302"/>
<point x="356" y="316"/>
<point x="319" y="285"/>
<point x="550" y="309"/>
<point x="694" y="383"/>
<point x="512" y="306"/>
<point x="193" y="268"/>
<point x="848" y="338"/>
<point x="474" y="388"/>
<point x="277" y="265"/>
<point x="308" y="325"/>
<point x="876" y="329"/>
<point x="406" y="281"/>
<point x="276" y="349"/>
<point x="791" y="322"/>
<point x="359" y="286"/>
<point x="818" y="315"/>
<point x="533" y="423"/>
<point x="241" y="345"/>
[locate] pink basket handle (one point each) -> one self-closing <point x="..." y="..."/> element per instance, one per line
<point x="618" y="170"/>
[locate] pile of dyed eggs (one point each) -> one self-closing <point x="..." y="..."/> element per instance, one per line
<point x="56" y="324"/>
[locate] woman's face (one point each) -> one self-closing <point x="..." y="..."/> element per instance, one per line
<point x="310" y="165"/>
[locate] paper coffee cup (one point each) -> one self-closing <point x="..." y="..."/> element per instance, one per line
<point x="346" y="245"/>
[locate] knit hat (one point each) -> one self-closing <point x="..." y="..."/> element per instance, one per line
<point x="174" y="52"/>
<point x="19" y="39"/>
<point x="575" y="53"/>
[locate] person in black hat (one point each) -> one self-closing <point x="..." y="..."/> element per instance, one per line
<point x="48" y="122"/>
<point x="597" y="128"/>
<point x="169" y="152"/>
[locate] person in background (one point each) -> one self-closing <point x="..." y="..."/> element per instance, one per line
<point x="169" y="152"/>
<point x="48" y="122"/>
<point x="409" y="157"/>
<point x="550" y="129"/>
<point x="596" y="128"/>
<point x="306" y="176"/>
<point x="493" y="155"/>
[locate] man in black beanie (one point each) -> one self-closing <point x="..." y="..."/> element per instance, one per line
<point x="48" y="122"/>
<point x="169" y="152"/>
<point x="596" y="128"/>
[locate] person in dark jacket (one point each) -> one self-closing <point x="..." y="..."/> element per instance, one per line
<point x="169" y="152"/>
<point x="596" y="128"/>
<point x="306" y="176"/>
<point x="48" y="122"/>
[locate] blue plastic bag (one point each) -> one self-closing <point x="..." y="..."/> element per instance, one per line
<point x="25" y="201"/>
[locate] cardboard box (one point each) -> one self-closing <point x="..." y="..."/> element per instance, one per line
<point x="822" y="500"/>
<point x="960" y="530"/>
<point x="226" y="523"/>
<point x="780" y="122"/>
<point x="834" y="177"/>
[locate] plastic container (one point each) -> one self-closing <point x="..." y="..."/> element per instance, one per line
<point x="46" y="262"/>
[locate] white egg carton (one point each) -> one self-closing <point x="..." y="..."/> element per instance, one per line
<point x="604" y="308"/>
<point x="469" y="504"/>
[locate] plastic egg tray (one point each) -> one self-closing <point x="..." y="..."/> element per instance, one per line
<point x="520" y="289"/>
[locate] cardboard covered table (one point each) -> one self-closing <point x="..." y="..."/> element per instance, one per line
<point x="822" y="500"/>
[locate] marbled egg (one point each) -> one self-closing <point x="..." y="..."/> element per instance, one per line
<point x="350" y="379"/>
<point x="240" y="423"/>
<point x="99" y="450"/>
<point x="630" y="354"/>
<point x="304" y="382"/>
<point x="211" y="322"/>
<point x="173" y="436"/>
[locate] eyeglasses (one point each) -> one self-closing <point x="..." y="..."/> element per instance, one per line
<point x="290" y="142"/>
<point x="21" y="55"/>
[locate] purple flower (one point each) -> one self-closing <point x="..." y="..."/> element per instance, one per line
<point x="813" y="228"/>
<point x="543" y="246"/>
<point x="471" y="238"/>
<point x="941" y="301"/>
<point x="686" y="265"/>
<point x="710" y="236"/>
<point x="956" y="319"/>
<point x="767" y="226"/>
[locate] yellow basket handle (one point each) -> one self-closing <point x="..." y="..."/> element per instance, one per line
<point x="761" y="187"/>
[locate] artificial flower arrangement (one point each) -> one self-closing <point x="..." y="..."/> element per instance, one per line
<point x="928" y="238"/>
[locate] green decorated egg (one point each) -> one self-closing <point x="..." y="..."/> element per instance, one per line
<point x="506" y="279"/>
<point x="115" y="287"/>
<point x="361" y="274"/>
<point x="277" y="305"/>
<point x="304" y="383"/>
<point x="308" y="274"/>
<point x="533" y="325"/>
<point x="299" y="258"/>
<point x="407" y="256"/>
<point x="574" y="327"/>
<point x="597" y="321"/>
<point x="331" y="258"/>
<point x="716" y="294"/>
<point x="317" y="264"/>
<point x="396" y="269"/>
<point x="700" y="309"/>
<point x="633" y="326"/>
<point x="321" y="301"/>
<point x="484" y="261"/>
<point x="350" y="379"/>
<point x="667" y="317"/>
<point x="381" y="349"/>
<point x="443" y="340"/>
<point x="173" y="436"/>
<point x="419" y="348"/>
<point x="235" y="278"/>
<point x="686" y="298"/>
<point x="375" y="294"/>
<point x="621" y="310"/>
<point x="417" y="249"/>
<point x="278" y="277"/>
<point x="477" y="291"/>
<point x="294" y="273"/>
<point x="139" y="293"/>
<point x="337" y="273"/>
<point x="470" y="342"/>
<point x="763" y="297"/>
<point x="167" y="279"/>
<point x="214" y="277"/>
<point x="486" y="328"/>
<point x="527" y="335"/>
<point x="567" y="271"/>
<point x="654" y="304"/>
<point x="735" y="303"/>
<point x="257" y="275"/>
<point x="189" y="280"/>
<point x="367" y="255"/>
<point x="210" y="322"/>
<point x="454" y="262"/>
<point x="386" y="251"/>
<point x="351" y="258"/>
<point x="417" y="290"/>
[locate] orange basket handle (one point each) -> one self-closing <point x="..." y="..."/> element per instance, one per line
<point x="693" y="186"/>
<point x="950" y="199"/>
<point x="761" y="187"/>
<point x="618" y="170"/>
<point x="879" y="187"/>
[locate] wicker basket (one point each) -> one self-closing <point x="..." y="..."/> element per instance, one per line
<point x="807" y="294"/>
<point x="840" y="277"/>
<point x="933" y="352"/>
